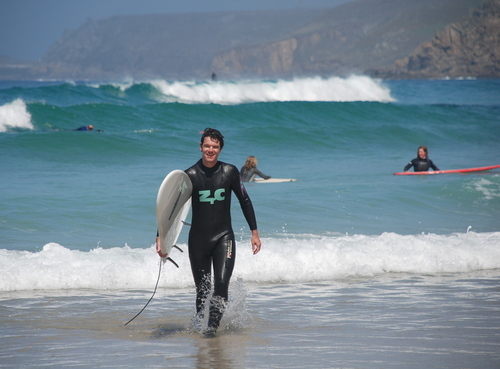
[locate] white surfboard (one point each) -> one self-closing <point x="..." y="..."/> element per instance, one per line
<point x="173" y="203"/>
<point x="274" y="180"/>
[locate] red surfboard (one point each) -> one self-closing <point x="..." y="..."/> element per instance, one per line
<point x="466" y="170"/>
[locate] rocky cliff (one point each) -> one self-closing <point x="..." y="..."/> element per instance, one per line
<point x="164" y="45"/>
<point x="357" y="37"/>
<point x="470" y="48"/>
<point x="386" y="38"/>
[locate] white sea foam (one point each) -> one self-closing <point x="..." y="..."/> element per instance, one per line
<point x="489" y="189"/>
<point x="283" y="259"/>
<point x="123" y="86"/>
<point x="354" y="88"/>
<point x="15" y="115"/>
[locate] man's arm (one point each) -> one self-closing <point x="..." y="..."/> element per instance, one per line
<point x="248" y="211"/>
<point x="246" y="204"/>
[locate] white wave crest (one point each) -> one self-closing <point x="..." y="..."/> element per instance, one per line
<point x="121" y="86"/>
<point x="288" y="259"/>
<point x="354" y="88"/>
<point x="15" y="115"/>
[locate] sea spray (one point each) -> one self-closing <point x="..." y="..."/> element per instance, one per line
<point x="15" y="115"/>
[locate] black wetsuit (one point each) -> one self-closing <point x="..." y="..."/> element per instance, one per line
<point x="420" y="165"/>
<point x="248" y="174"/>
<point x="83" y="128"/>
<point x="211" y="238"/>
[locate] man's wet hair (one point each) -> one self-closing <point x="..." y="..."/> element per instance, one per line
<point x="214" y="134"/>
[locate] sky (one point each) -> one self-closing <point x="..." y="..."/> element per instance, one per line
<point x="29" y="27"/>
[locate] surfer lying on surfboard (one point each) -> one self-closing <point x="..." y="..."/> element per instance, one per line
<point x="249" y="170"/>
<point x="421" y="163"/>
<point x="211" y="238"/>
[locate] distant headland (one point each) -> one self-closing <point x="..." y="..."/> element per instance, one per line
<point x="381" y="38"/>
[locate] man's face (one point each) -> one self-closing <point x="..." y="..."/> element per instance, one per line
<point x="210" y="151"/>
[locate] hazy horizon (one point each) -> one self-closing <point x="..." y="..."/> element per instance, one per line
<point x="29" y="27"/>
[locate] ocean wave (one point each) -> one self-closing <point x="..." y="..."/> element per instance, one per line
<point x="288" y="258"/>
<point x="15" y="115"/>
<point x="354" y="88"/>
<point x="489" y="189"/>
<point x="333" y="89"/>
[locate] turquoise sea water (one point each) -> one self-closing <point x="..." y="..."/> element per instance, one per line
<point x="83" y="189"/>
<point x="77" y="218"/>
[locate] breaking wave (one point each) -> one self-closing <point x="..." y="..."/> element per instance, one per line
<point x="288" y="259"/>
<point x="15" y="115"/>
<point x="333" y="89"/>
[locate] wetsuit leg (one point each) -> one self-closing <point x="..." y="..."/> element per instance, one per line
<point x="223" y="256"/>
<point x="200" y="259"/>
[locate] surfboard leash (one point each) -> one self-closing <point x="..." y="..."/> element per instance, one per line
<point x="151" y="298"/>
<point x="162" y="260"/>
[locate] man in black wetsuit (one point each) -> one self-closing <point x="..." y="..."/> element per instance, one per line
<point x="421" y="163"/>
<point x="211" y="237"/>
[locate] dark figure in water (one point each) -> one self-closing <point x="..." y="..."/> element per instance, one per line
<point x="421" y="163"/>
<point x="249" y="170"/>
<point x="89" y="127"/>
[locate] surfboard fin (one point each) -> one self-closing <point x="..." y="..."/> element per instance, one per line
<point x="186" y="223"/>
<point x="173" y="262"/>
<point x="178" y="248"/>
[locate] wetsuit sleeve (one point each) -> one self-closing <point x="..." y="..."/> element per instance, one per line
<point x="431" y="164"/>
<point x="408" y="166"/>
<point x="244" y="199"/>
<point x="244" y="175"/>
<point x="259" y="173"/>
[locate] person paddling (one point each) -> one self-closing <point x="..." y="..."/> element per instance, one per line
<point x="421" y="163"/>
<point x="88" y="127"/>
<point x="249" y="170"/>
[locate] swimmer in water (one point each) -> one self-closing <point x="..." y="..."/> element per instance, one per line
<point x="421" y="163"/>
<point x="249" y="170"/>
<point x="89" y="127"/>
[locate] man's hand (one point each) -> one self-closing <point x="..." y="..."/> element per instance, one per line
<point x="256" y="244"/>
<point x="158" y="248"/>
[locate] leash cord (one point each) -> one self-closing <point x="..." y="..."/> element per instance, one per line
<point x="151" y="298"/>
